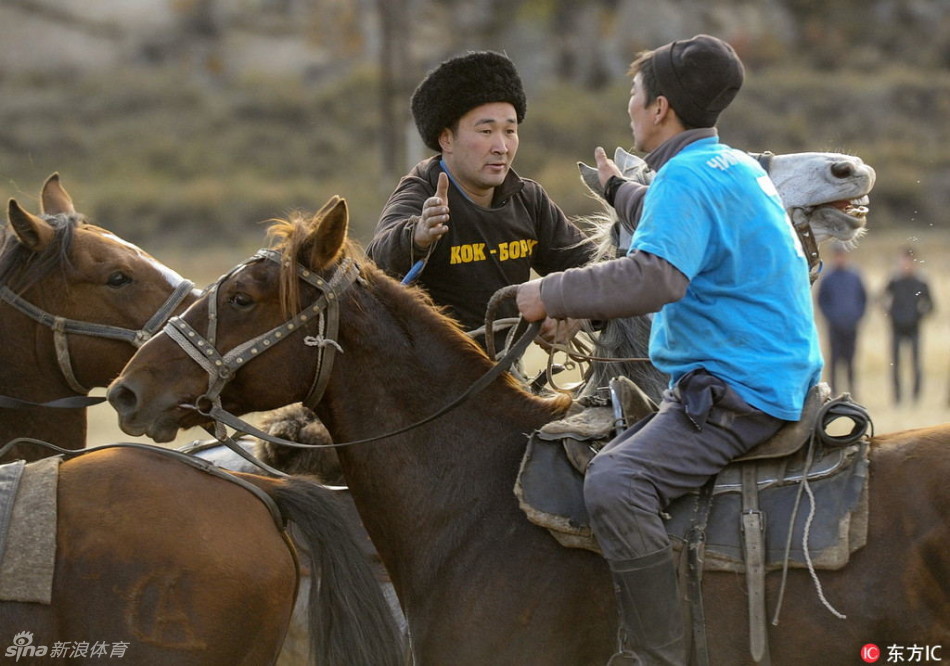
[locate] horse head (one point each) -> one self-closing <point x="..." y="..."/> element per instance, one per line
<point x="824" y="192"/>
<point x="829" y="191"/>
<point x="284" y="294"/>
<point x="95" y="292"/>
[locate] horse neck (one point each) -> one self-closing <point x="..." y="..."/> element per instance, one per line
<point x="66" y="428"/>
<point x="28" y="371"/>
<point x="438" y="482"/>
<point x="368" y="396"/>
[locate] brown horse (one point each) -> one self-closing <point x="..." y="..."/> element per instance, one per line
<point x="478" y="582"/>
<point x="56" y="270"/>
<point x="179" y="565"/>
<point x="111" y="296"/>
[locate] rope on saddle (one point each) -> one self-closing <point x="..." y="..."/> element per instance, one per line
<point x="841" y="407"/>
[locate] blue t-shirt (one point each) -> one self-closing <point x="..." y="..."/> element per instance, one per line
<point x="747" y="314"/>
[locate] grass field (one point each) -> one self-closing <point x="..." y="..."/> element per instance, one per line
<point x="875" y="257"/>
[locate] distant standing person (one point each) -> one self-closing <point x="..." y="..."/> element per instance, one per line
<point x="907" y="301"/>
<point x="842" y="300"/>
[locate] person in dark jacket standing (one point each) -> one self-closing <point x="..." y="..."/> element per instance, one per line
<point x="475" y="224"/>
<point x="907" y="301"/>
<point x="716" y="257"/>
<point x="842" y="300"/>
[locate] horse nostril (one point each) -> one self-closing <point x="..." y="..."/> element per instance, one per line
<point x="842" y="169"/>
<point x="122" y="399"/>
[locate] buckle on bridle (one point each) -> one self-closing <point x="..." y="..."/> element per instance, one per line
<point x="204" y="404"/>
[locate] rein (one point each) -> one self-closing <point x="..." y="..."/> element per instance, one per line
<point x="577" y="355"/>
<point x="193" y="461"/>
<point x="61" y="327"/>
<point x="514" y="352"/>
<point x="574" y="354"/>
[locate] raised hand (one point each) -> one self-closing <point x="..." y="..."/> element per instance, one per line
<point x="606" y="167"/>
<point x="433" y="222"/>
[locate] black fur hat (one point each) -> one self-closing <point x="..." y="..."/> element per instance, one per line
<point x="699" y="76"/>
<point x="459" y="85"/>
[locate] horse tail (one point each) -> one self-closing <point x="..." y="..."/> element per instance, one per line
<point x="350" y="621"/>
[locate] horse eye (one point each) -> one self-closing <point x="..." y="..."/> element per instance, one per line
<point x="241" y="300"/>
<point x="118" y="279"/>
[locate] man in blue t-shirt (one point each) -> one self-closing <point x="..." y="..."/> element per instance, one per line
<point x="717" y="259"/>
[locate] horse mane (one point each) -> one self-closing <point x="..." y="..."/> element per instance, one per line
<point x="413" y="303"/>
<point x="622" y="338"/>
<point x="289" y="237"/>
<point x="21" y="267"/>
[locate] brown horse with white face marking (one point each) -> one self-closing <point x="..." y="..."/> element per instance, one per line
<point x="75" y="302"/>
<point x="479" y="583"/>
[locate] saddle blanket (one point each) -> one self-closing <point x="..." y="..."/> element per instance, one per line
<point x="551" y="493"/>
<point x="28" y="529"/>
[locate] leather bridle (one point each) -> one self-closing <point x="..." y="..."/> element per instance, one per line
<point x="222" y="367"/>
<point x="62" y="327"/>
<point x="802" y="229"/>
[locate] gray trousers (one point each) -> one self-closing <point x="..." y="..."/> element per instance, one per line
<point x="701" y="425"/>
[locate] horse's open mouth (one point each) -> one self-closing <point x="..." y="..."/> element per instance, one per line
<point x="857" y="208"/>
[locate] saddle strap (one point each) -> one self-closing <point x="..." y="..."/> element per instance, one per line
<point x="695" y="551"/>
<point x="753" y="540"/>
<point x="198" y="463"/>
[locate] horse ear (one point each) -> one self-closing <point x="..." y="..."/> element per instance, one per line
<point x="54" y="197"/>
<point x="33" y="232"/>
<point x="328" y="233"/>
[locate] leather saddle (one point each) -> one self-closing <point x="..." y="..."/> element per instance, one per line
<point x="746" y="519"/>
<point x="550" y="482"/>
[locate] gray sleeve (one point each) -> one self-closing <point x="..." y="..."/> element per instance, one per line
<point x="629" y="202"/>
<point x="392" y="246"/>
<point x="632" y="285"/>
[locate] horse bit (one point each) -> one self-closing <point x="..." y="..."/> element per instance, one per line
<point x="61" y="327"/>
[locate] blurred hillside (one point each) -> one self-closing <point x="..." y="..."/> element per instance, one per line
<point x="176" y="121"/>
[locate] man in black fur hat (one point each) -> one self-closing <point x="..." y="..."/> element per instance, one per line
<point x="473" y="222"/>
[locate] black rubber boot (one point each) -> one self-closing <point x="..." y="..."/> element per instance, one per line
<point x="650" y="614"/>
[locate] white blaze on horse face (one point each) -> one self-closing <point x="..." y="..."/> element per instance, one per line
<point x="828" y="191"/>
<point x="173" y="278"/>
<point x="809" y="179"/>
